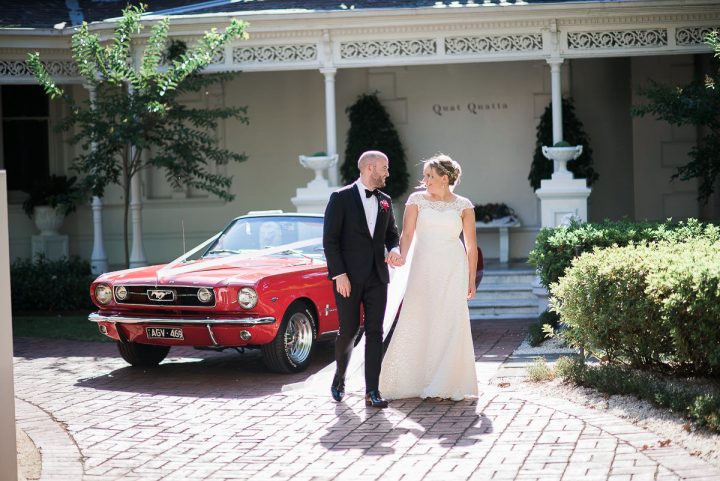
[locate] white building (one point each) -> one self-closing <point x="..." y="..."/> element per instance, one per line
<point x="466" y="78"/>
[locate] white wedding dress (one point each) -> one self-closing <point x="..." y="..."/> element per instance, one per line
<point x="431" y="351"/>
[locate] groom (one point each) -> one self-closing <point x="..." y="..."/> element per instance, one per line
<point x="359" y="228"/>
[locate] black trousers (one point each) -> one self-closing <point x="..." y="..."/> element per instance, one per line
<point x="372" y="296"/>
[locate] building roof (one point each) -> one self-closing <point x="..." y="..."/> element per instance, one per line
<point x="48" y="13"/>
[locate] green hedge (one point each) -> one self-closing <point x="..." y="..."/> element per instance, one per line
<point x="50" y="285"/>
<point x="650" y="305"/>
<point x="556" y="247"/>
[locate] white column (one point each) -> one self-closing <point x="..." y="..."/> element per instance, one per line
<point x="8" y="449"/>
<point x="98" y="258"/>
<point x="556" y="92"/>
<point x="330" y="122"/>
<point x="137" y="254"/>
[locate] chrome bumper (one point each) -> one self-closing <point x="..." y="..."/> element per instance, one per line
<point x="248" y="321"/>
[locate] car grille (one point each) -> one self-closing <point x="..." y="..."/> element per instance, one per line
<point x="164" y="296"/>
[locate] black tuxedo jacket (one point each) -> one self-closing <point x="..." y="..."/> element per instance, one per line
<point x="349" y="247"/>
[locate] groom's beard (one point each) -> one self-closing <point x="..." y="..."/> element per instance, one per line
<point x="379" y="182"/>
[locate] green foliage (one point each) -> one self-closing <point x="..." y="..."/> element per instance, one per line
<point x="55" y="191"/>
<point x="654" y="306"/>
<point x="556" y="247"/>
<point x="539" y="370"/>
<point x="695" y="399"/>
<point x="138" y="120"/>
<point x="698" y="104"/>
<point x="535" y="334"/>
<point x="45" y="285"/>
<point x="574" y="134"/>
<point x="489" y="212"/>
<point x="372" y="129"/>
<point x="568" y="367"/>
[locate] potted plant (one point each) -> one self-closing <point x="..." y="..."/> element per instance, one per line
<point x="49" y="200"/>
<point x="500" y="212"/>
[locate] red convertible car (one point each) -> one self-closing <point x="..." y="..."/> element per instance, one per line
<point x="262" y="282"/>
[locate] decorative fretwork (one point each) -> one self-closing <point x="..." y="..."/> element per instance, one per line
<point x="495" y="43"/>
<point x="275" y="53"/>
<point x="692" y="35"/>
<point x="388" y="48"/>
<point x="618" y="39"/>
<point x="20" y="68"/>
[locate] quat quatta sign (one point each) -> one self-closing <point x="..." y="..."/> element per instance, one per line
<point x="474" y="108"/>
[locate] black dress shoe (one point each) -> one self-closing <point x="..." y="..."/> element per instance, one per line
<point x="338" y="390"/>
<point x="374" y="399"/>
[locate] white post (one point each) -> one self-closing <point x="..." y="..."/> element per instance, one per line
<point x="8" y="448"/>
<point x="330" y="122"/>
<point x="556" y="92"/>
<point x="137" y="254"/>
<point x="98" y="258"/>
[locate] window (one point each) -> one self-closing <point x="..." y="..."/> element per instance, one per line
<point x="25" y="111"/>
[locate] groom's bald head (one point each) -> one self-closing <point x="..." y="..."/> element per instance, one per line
<point x="369" y="158"/>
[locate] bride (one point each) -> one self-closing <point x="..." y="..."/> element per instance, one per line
<point x="430" y="353"/>
<point x="431" y="350"/>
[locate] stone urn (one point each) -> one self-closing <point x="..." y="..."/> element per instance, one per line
<point x="318" y="163"/>
<point x="560" y="157"/>
<point x="47" y="219"/>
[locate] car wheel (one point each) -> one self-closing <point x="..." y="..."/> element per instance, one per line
<point x="291" y="349"/>
<point x="142" y="355"/>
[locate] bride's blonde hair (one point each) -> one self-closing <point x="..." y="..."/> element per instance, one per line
<point x="444" y="165"/>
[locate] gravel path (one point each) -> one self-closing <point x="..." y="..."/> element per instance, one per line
<point x="667" y="425"/>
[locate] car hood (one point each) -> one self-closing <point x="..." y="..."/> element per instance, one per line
<point x="213" y="271"/>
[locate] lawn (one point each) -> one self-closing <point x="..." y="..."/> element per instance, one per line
<point x="60" y="326"/>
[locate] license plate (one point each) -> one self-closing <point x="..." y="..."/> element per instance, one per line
<point x="164" y="333"/>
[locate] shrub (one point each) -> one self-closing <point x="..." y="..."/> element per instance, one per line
<point x="540" y="371"/>
<point x="574" y="132"/>
<point x="535" y="334"/>
<point x="372" y="129"/>
<point x="41" y="284"/>
<point x="655" y="306"/>
<point x="556" y="247"/>
<point x="568" y="367"/>
<point x="691" y="398"/>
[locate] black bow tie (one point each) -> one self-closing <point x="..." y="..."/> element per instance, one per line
<point x="369" y="193"/>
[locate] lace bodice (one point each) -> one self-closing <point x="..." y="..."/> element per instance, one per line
<point x="423" y="202"/>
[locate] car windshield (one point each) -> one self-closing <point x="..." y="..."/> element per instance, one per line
<point x="251" y="234"/>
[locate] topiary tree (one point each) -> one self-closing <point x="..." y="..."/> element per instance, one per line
<point x="372" y="129"/>
<point x="697" y="103"/>
<point x="574" y="134"/>
<point x="137" y="120"/>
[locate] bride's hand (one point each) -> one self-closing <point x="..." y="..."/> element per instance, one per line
<point x="471" y="290"/>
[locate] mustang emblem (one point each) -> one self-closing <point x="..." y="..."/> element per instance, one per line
<point x="160" y="295"/>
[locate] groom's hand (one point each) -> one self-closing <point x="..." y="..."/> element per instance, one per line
<point x="342" y="284"/>
<point x="394" y="259"/>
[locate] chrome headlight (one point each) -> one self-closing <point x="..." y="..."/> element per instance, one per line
<point x="204" y="295"/>
<point x="247" y="297"/>
<point x="103" y="293"/>
<point x="121" y="293"/>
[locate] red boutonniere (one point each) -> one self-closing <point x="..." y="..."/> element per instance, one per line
<point x="384" y="205"/>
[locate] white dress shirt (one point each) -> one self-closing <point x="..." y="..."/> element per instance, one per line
<point x="370" y="204"/>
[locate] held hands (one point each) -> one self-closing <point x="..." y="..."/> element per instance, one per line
<point x="394" y="259"/>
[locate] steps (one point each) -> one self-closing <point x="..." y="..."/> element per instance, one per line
<point x="505" y="293"/>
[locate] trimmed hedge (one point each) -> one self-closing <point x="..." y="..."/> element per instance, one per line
<point x="556" y="247"/>
<point x="50" y="285"/>
<point x="649" y="305"/>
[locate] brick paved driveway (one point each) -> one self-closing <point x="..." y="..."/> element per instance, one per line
<point x="205" y="415"/>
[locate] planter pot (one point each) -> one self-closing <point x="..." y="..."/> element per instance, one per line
<point x="48" y="220"/>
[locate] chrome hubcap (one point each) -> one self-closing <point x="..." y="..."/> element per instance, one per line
<point x="298" y="338"/>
